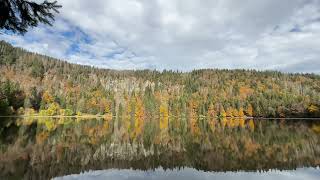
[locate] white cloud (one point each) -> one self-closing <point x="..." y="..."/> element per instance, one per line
<point x="175" y="34"/>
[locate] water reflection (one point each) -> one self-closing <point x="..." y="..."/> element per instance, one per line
<point x="189" y="173"/>
<point x="41" y="148"/>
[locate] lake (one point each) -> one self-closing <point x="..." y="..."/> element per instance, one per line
<point x="105" y="148"/>
<point x="189" y="173"/>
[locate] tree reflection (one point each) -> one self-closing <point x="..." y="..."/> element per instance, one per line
<point x="47" y="147"/>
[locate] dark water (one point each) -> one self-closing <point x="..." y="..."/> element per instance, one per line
<point x="106" y="148"/>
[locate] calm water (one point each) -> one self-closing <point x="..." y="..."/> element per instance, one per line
<point x="107" y="148"/>
<point x="189" y="173"/>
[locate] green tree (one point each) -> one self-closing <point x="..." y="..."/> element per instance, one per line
<point x="11" y="95"/>
<point x="18" y="15"/>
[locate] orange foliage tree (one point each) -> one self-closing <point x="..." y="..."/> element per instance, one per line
<point x="194" y="127"/>
<point x="47" y="97"/>
<point x="211" y="116"/>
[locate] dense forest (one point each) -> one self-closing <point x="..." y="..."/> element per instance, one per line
<point x="73" y="117"/>
<point x="33" y="84"/>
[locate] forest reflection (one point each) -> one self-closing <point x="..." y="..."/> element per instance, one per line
<point x="39" y="148"/>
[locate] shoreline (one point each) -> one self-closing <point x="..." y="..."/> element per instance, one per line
<point x="104" y="116"/>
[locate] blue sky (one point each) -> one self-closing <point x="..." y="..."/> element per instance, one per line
<point x="182" y="34"/>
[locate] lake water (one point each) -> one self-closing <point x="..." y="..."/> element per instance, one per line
<point x="109" y="148"/>
<point x="193" y="174"/>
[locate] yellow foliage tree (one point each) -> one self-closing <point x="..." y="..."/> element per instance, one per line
<point x="231" y="122"/>
<point x="223" y="112"/>
<point x="211" y="117"/>
<point x="241" y="114"/>
<point x="29" y="111"/>
<point x="235" y="112"/>
<point x="250" y="110"/>
<point x="107" y="108"/>
<point x="195" y="130"/>
<point x="316" y="128"/>
<point x="164" y="117"/>
<point x="139" y="116"/>
<point x="229" y="112"/>
<point x="224" y="122"/>
<point x="212" y="124"/>
<point x="92" y="103"/>
<point x="241" y="122"/>
<point x="53" y="109"/>
<point x="251" y="125"/>
<point x="236" y="122"/>
<point x="106" y="125"/>
<point x="79" y="113"/>
<point x="313" y="109"/>
<point x="62" y="112"/>
<point x="50" y="125"/>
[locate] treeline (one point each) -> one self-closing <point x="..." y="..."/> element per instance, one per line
<point x="31" y="83"/>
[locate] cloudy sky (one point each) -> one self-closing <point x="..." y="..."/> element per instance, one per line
<point x="182" y="34"/>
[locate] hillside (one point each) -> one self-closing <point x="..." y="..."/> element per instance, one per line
<point x="33" y="83"/>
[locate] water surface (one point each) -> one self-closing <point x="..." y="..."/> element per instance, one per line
<point x="193" y="174"/>
<point x="43" y="148"/>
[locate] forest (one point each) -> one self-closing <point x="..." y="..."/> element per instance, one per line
<point x="34" y="84"/>
<point x="62" y="118"/>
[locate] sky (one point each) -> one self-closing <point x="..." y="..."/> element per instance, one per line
<point x="182" y="34"/>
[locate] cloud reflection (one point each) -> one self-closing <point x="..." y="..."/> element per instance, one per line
<point x="190" y="173"/>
